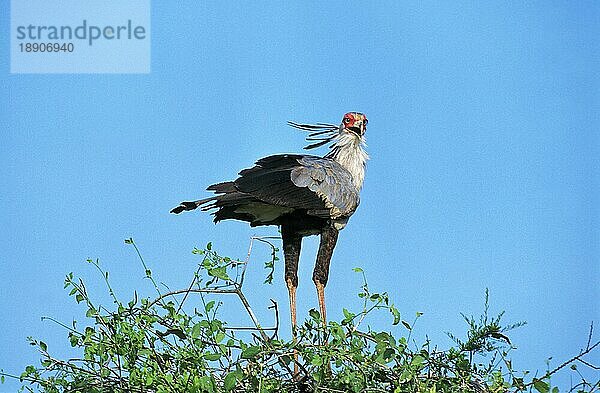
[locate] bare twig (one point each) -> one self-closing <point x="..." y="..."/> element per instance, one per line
<point x="590" y="365"/>
<point x="276" y="309"/>
<point x="251" y="314"/>
<point x="241" y="282"/>
<point x="189" y="289"/>
<point x="247" y="328"/>
<point x="567" y="362"/>
<point x="62" y="325"/>
<point x="180" y="291"/>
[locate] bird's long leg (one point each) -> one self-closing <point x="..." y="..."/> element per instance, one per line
<point x="321" y="273"/>
<point x="292" y="242"/>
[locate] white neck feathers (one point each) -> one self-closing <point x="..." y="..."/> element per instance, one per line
<point x="348" y="150"/>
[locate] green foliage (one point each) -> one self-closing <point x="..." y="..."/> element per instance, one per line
<point x="155" y="345"/>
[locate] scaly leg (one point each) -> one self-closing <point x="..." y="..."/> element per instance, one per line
<point x="291" y="251"/>
<point x="321" y="273"/>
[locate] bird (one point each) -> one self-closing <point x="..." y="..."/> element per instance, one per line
<point x="302" y="194"/>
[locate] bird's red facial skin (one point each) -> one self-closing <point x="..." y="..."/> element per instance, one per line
<point x="350" y="118"/>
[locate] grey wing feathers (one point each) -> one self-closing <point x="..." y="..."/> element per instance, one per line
<point x="330" y="181"/>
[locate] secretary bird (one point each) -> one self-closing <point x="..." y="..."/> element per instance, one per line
<point x="303" y="194"/>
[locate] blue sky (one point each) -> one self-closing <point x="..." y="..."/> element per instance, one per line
<point x="484" y="145"/>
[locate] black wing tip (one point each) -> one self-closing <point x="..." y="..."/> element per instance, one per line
<point x="184" y="206"/>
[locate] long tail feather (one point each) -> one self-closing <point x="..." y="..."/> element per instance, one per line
<point x="191" y="205"/>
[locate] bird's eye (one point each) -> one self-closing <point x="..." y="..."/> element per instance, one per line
<point x="346" y="120"/>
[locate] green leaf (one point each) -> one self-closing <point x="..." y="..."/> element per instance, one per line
<point x="407" y="325"/>
<point x="215" y="325"/>
<point x="417" y="361"/>
<point x="209" y="306"/>
<point x="250" y="352"/>
<point x="212" y="356"/>
<point x="388" y="355"/>
<point x="219" y="272"/>
<point x="541" y="386"/>
<point x="230" y="380"/>
<point x="396" y="315"/>
<point x="43" y="346"/>
<point x="73" y="339"/>
<point x="314" y="314"/>
<point x="317" y="361"/>
<point x="348" y="316"/>
<point x="209" y="246"/>
<point x="196" y="330"/>
<point x="90" y="312"/>
<point x="357" y="270"/>
<point x="28" y="371"/>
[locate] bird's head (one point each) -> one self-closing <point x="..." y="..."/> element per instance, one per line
<point x="353" y="123"/>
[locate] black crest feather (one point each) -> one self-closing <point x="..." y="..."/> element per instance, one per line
<point x="322" y="133"/>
